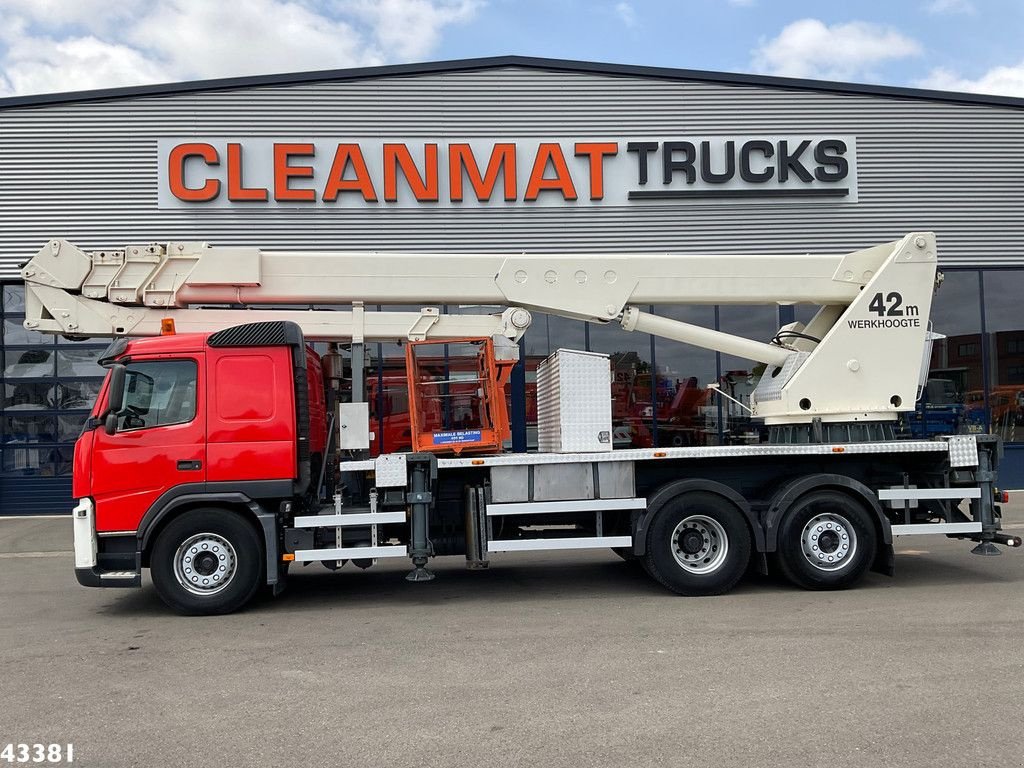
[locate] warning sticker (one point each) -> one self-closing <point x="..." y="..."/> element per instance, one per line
<point x="457" y="436"/>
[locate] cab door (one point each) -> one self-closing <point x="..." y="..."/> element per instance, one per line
<point x="160" y="442"/>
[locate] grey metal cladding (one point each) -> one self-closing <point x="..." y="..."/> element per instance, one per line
<point x="87" y="170"/>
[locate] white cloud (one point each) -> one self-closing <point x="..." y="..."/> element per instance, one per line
<point x="1003" y="81"/>
<point x="942" y="7"/>
<point x="92" y="14"/>
<point x="61" y="45"/>
<point x="810" y="48"/>
<point x="411" y="28"/>
<point x="626" y="13"/>
<point x="197" y="38"/>
<point x="38" y="65"/>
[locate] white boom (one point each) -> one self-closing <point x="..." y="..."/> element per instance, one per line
<point x="858" y="359"/>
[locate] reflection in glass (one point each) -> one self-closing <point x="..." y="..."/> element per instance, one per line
<point x="632" y="391"/>
<point x="29" y="428"/>
<point x="16" y="333"/>
<point x="387" y="392"/>
<point x="28" y="397"/>
<point x="79" y="362"/>
<point x="953" y="398"/>
<point x="687" y="411"/>
<point x="157" y="393"/>
<point x="69" y="426"/>
<point x="27" y="462"/>
<point x="14" y="298"/>
<point x="1004" y="325"/>
<point x="65" y="460"/>
<point x="28" y="363"/>
<point x="78" y="394"/>
<point x="740" y="376"/>
<point x="549" y="333"/>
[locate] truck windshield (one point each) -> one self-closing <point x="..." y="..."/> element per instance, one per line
<point x="158" y="393"/>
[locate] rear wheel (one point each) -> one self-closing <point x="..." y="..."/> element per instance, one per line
<point x="698" y="544"/>
<point x="827" y="540"/>
<point x="207" y="561"/>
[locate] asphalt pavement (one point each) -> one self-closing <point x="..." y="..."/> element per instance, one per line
<point x="546" y="660"/>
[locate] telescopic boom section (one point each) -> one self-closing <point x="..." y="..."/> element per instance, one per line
<point x="128" y="291"/>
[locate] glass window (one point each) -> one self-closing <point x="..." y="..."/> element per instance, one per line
<point x="547" y="334"/>
<point x="79" y="362"/>
<point x="387" y="391"/>
<point x="740" y="376"/>
<point x="967" y="350"/>
<point x="26" y="462"/>
<point x="69" y="426"/>
<point x="1004" y="325"/>
<point x="15" y="333"/>
<point x="28" y="397"/>
<point x="28" y="363"/>
<point x="158" y="394"/>
<point x="687" y="411"/>
<point x="632" y="384"/>
<point x="65" y="460"/>
<point x="29" y="428"/>
<point x="953" y="398"/>
<point x="78" y="394"/>
<point x="14" y="299"/>
<point x="63" y="341"/>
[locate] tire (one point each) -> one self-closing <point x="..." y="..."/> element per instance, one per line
<point x="196" y="551"/>
<point x="698" y="544"/>
<point x="827" y="540"/>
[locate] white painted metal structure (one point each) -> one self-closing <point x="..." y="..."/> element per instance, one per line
<point x="858" y="359"/>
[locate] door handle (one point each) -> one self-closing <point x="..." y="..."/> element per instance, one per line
<point x="190" y="465"/>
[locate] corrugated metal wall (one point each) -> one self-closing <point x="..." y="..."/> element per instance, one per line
<point x="87" y="171"/>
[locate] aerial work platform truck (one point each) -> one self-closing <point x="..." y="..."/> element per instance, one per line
<point x="216" y="456"/>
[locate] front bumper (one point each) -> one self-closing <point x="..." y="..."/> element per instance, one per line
<point x="88" y="569"/>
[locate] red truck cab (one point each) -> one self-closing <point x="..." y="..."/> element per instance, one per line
<point x="197" y="441"/>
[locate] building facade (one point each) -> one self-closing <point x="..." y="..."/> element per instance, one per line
<point x="515" y="154"/>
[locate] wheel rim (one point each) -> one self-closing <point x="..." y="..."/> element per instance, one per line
<point x="828" y="542"/>
<point x="205" y="564"/>
<point x="699" y="544"/>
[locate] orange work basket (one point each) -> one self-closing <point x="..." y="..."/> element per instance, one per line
<point x="457" y="396"/>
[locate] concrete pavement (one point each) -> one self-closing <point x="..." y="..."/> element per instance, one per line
<point x="544" y="660"/>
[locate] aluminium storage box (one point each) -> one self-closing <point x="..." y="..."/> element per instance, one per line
<point x="574" y="402"/>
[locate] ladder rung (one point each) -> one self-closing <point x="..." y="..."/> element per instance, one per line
<point x="349" y="553"/>
<point x="356" y="518"/>
<point x="589" y="542"/>
<point x="549" y="507"/>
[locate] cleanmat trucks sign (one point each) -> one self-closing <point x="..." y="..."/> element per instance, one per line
<point x="481" y="173"/>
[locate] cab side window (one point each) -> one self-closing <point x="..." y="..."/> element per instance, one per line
<point x="158" y="394"/>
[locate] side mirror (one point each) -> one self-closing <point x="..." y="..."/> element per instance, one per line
<point x="115" y="395"/>
<point x="115" y="399"/>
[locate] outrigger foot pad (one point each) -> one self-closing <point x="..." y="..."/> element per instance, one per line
<point x="986" y="548"/>
<point x="420" y="574"/>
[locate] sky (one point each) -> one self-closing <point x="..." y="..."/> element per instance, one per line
<point x="69" y="45"/>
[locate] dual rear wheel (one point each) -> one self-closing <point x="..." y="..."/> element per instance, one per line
<point x="699" y="543"/>
<point x="827" y="540"/>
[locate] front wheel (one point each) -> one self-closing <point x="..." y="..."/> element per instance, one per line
<point x="827" y="540"/>
<point x="698" y="544"/>
<point x="207" y="561"/>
